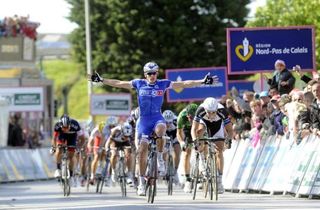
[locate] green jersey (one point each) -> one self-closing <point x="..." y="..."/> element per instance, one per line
<point x="184" y="123"/>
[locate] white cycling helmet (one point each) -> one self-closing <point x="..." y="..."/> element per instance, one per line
<point x="150" y="67"/>
<point x="112" y="120"/>
<point x="126" y="129"/>
<point x="168" y="115"/>
<point x="210" y="104"/>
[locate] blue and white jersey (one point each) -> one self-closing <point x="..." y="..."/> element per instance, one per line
<point x="150" y="96"/>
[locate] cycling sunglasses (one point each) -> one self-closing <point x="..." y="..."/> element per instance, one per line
<point x="151" y="73"/>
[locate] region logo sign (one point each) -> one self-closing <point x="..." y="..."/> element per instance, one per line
<point x="254" y="50"/>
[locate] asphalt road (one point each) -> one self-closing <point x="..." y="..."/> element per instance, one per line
<point x="48" y="195"/>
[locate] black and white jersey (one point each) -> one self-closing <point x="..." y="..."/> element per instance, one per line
<point x="215" y="126"/>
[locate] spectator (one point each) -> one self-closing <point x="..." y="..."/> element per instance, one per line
<point x="282" y="78"/>
<point x="243" y="102"/>
<point x="277" y="116"/>
<point x="294" y="108"/>
<point x="273" y="91"/>
<point x="264" y="98"/>
<point x="315" y="109"/>
<point x="304" y="118"/>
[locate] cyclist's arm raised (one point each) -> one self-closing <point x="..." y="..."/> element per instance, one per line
<point x="111" y="82"/>
<point x="208" y="79"/>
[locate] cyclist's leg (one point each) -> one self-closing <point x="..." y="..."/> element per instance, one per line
<point x="176" y="153"/>
<point x="160" y="131"/>
<point x="128" y="159"/>
<point x="71" y="150"/>
<point x="96" y="156"/>
<point x="113" y="156"/>
<point x="202" y="147"/>
<point x="83" y="161"/>
<point x="219" y="156"/>
<point x="143" y="153"/>
<point x="95" y="161"/>
<point x="58" y="157"/>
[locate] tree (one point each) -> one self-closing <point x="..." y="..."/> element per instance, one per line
<point x="289" y="13"/>
<point x="180" y="33"/>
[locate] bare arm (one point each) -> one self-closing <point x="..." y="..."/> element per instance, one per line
<point x="194" y="129"/>
<point x="229" y="130"/>
<point x="186" y="84"/>
<point x="180" y="135"/>
<point x="113" y="82"/>
<point x="117" y="83"/>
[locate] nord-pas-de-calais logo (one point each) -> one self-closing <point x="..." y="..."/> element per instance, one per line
<point x="247" y="50"/>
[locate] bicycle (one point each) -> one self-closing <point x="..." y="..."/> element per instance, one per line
<point x="211" y="172"/>
<point x="65" y="172"/>
<point x="121" y="169"/>
<point x="104" y="174"/>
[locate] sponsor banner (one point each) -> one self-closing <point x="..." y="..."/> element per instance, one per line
<point x="274" y="182"/>
<point x="310" y="176"/>
<point x="4" y="172"/>
<point x="228" y="158"/>
<point x="24" y="98"/>
<point x="110" y="104"/>
<point x="48" y="162"/>
<point x="253" y="155"/>
<point x="235" y="165"/>
<point x="253" y="50"/>
<point x="201" y="92"/>
<point x="37" y="165"/>
<point x="307" y="151"/>
<point x="264" y="164"/>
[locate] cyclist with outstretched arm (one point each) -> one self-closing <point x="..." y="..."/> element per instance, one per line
<point x="150" y="93"/>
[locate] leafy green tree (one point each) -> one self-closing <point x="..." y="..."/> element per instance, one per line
<point x="174" y="33"/>
<point x="289" y="13"/>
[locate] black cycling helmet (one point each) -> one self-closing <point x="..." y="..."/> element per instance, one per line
<point x="65" y="120"/>
<point x="191" y="109"/>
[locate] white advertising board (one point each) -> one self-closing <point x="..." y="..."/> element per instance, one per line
<point x="24" y="98"/>
<point x="110" y="104"/>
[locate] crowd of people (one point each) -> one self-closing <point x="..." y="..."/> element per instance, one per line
<point x="283" y="110"/>
<point x="18" y="26"/>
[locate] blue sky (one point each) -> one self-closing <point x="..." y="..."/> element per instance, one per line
<point x="51" y="13"/>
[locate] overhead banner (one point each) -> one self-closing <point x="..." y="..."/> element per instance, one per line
<point x="201" y="92"/>
<point x="110" y="104"/>
<point x="24" y="98"/>
<point x="254" y="50"/>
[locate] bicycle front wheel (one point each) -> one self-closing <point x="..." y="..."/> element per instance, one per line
<point x="122" y="178"/>
<point x="152" y="179"/>
<point x="195" y="178"/>
<point x="170" y="175"/>
<point x="214" y="175"/>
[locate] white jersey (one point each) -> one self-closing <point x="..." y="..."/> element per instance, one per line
<point x="117" y="135"/>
